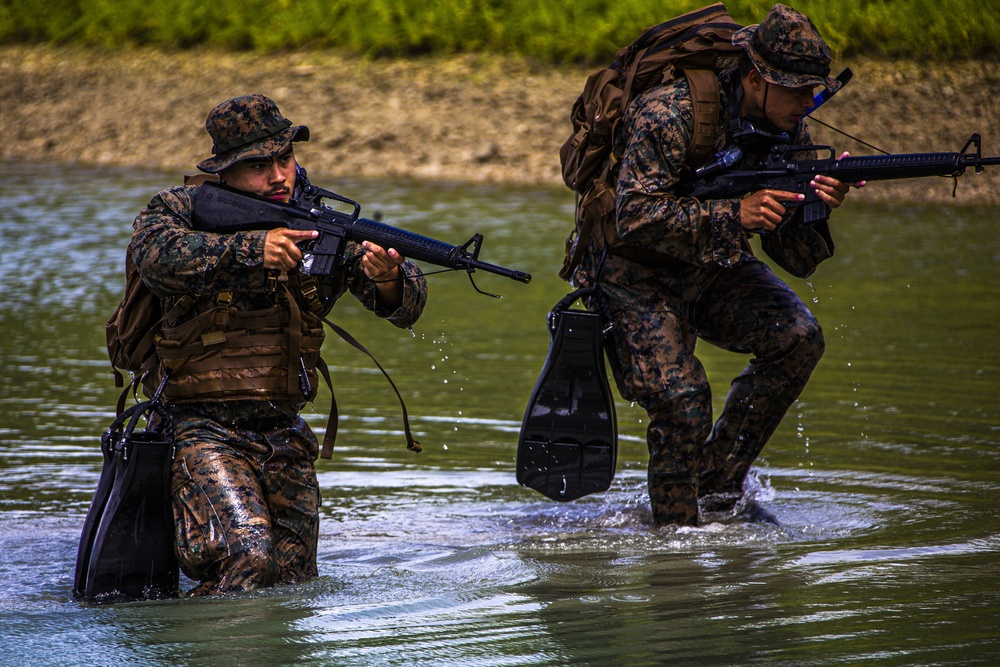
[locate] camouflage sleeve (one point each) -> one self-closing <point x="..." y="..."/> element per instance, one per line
<point x="364" y="290"/>
<point x="174" y="259"/>
<point x="659" y="127"/>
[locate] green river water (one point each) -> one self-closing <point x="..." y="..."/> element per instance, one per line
<point x="875" y="535"/>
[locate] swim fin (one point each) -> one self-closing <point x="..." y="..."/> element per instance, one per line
<point x="568" y="447"/>
<point x="126" y="548"/>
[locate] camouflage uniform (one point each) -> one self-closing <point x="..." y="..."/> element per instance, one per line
<point x="244" y="489"/>
<point x="715" y="290"/>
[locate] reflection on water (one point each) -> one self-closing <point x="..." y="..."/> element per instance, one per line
<point x="869" y="537"/>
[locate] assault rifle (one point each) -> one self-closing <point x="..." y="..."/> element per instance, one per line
<point x="223" y="210"/>
<point x="779" y="172"/>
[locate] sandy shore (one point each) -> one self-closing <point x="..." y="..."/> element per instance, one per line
<point x="473" y="118"/>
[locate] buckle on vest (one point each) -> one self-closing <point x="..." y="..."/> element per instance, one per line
<point x="309" y="289"/>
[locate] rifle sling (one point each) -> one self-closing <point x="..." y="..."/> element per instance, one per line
<point x="331" y="430"/>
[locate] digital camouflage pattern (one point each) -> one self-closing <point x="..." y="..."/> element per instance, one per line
<point x="232" y="458"/>
<point x="787" y="50"/>
<point x="245" y="502"/>
<point x="248" y="127"/>
<point x="717" y="291"/>
<point x="658" y="127"/>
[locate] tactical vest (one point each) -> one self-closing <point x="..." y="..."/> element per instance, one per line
<point x="224" y="353"/>
<point x="216" y="351"/>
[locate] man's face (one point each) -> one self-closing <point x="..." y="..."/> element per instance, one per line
<point x="782" y="106"/>
<point x="272" y="177"/>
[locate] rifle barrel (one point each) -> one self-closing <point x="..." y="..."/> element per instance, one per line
<point x="422" y="248"/>
<point x="519" y="276"/>
<point x="889" y="167"/>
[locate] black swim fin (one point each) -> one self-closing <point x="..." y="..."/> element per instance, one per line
<point x="126" y="549"/>
<point x="568" y="446"/>
<point x="94" y="514"/>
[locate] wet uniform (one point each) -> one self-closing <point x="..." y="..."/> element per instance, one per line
<point x="714" y="289"/>
<point x="244" y="489"/>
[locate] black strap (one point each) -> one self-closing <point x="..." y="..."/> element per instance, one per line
<point x="568" y="300"/>
<point x="333" y="421"/>
<point x="129" y="417"/>
<point x="411" y="443"/>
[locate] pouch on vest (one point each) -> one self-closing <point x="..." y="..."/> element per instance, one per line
<point x="568" y="446"/>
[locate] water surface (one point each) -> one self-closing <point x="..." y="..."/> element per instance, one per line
<point x="871" y="536"/>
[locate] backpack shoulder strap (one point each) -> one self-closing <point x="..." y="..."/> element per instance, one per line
<point x="704" y="86"/>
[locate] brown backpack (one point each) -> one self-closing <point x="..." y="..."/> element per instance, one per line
<point x="131" y="327"/>
<point x="698" y="45"/>
<point x="131" y="330"/>
<point x="136" y="321"/>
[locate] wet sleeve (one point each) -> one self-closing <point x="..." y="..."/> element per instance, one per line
<point x="659" y="130"/>
<point x="364" y="290"/>
<point x="172" y="258"/>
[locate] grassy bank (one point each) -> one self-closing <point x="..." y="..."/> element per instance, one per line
<point x="555" y="31"/>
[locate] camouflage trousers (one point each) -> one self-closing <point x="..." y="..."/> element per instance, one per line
<point x="245" y="504"/>
<point x="745" y="309"/>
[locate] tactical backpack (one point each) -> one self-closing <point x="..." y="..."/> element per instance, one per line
<point x="699" y="46"/>
<point x="135" y="322"/>
<point x="131" y="330"/>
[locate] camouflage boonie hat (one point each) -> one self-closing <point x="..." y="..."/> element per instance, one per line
<point x="787" y="50"/>
<point x="248" y="127"/>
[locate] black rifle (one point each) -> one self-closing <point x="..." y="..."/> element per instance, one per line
<point x="223" y="210"/>
<point x="779" y="172"/>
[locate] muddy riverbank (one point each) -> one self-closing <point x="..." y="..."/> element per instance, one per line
<point x="474" y="118"/>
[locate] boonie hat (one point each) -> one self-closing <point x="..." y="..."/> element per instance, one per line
<point x="248" y="127"/>
<point x="787" y="50"/>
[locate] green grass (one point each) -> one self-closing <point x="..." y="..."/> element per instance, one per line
<point x="557" y="31"/>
